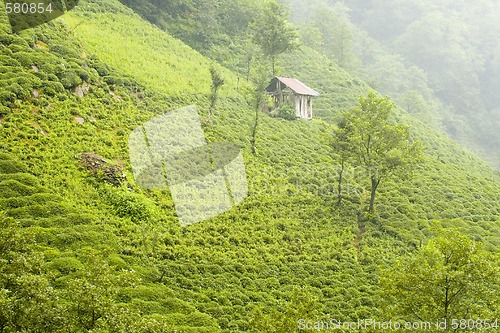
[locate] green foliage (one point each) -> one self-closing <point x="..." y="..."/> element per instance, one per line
<point x="184" y="71"/>
<point x="11" y="166"/>
<point x="217" y="29"/>
<point x="336" y="35"/>
<point x="129" y="204"/>
<point x="92" y="292"/>
<point x="284" y="317"/>
<point x="70" y="80"/>
<point x="26" y="295"/>
<point x="413" y="102"/>
<point x="285" y="252"/>
<point x="338" y="89"/>
<point x="286" y="111"/>
<point x="382" y="149"/>
<point x="445" y="53"/>
<point x="451" y="277"/>
<point x="13" y="188"/>
<point x="217" y="82"/>
<point x="273" y="34"/>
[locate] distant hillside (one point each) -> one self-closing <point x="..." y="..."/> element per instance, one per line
<point x="80" y="253"/>
<point x="437" y="60"/>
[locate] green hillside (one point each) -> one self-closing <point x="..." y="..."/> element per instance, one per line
<point x="84" y="249"/>
<point x="440" y="60"/>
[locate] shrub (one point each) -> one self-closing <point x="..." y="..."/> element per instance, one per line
<point x="18" y="90"/>
<point x="44" y="198"/>
<point x="13" y="188"/>
<point x="68" y="220"/>
<point x="24" y="178"/>
<point x="12" y="203"/>
<point x="70" y="79"/>
<point x="102" y="69"/>
<point x="118" y="81"/>
<point x="24" y="58"/>
<point x="6" y="97"/>
<point x="64" y="51"/>
<point x="53" y="88"/>
<point x="128" y="204"/>
<point x="9" y="61"/>
<point x="66" y="265"/>
<point x="175" y="305"/>
<point x="286" y="111"/>
<point x="38" y="211"/>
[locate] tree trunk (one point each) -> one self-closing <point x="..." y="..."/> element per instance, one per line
<point x="254" y="130"/>
<point x="258" y="103"/>
<point x="446" y="299"/>
<point x="341" y="173"/>
<point x="375" y="183"/>
<point x="213" y="99"/>
<point x="209" y="116"/>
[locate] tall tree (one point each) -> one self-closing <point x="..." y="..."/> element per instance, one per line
<point x="412" y="101"/>
<point x="273" y="33"/>
<point x="257" y="99"/>
<point x="341" y="145"/>
<point x="382" y="149"/>
<point x="217" y="82"/>
<point x="450" y="278"/>
<point x="336" y="34"/>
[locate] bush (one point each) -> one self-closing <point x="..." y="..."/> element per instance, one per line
<point x="64" y="51"/>
<point x="66" y="265"/>
<point x="118" y="81"/>
<point x="18" y="90"/>
<point x="6" y="97"/>
<point x="286" y="111"/>
<point x="102" y="69"/>
<point x="24" y="58"/>
<point x="38" y="211"/>
<point x="53" y="88"/>
<point x="24" y="178"/>
<point x="9" y="166"/>
<point x="128" y="204"/>
<point x="44" y="198"/>
<point x="67" y="220"/>
<point x="9" y="61"/>
<point x="70" y="79"/>
<point x="12" y="203"/>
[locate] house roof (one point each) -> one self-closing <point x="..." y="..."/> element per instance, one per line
<point x="293" y="84"/>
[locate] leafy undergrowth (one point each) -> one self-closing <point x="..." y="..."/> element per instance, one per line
<point x="286" y="249"/>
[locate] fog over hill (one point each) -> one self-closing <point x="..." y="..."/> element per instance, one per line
<point x="438" y="59"/>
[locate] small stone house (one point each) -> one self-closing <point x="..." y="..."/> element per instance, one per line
<point x="294" y="92"/>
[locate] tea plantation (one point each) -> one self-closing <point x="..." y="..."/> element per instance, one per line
<point x="84" y="249"/>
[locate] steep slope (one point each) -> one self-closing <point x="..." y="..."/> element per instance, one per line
<point x="448" y="172"/>
<point x="437" y="59"/>
<point x="286" y="249"/>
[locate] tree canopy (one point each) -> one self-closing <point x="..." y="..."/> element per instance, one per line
<point x="368" y="136"/>
<point x="452" y="277"/>
<point x="273" y="33"/>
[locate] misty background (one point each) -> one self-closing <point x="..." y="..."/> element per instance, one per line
<point x="438" y="60"/>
